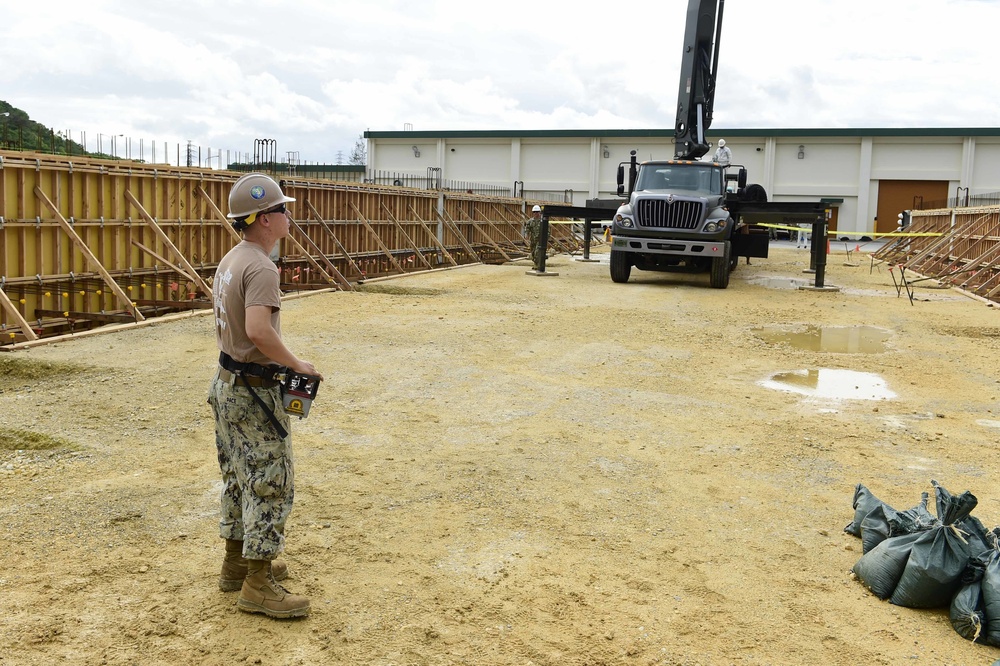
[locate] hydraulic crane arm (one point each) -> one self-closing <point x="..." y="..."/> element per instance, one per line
<point x="697" y="85"/>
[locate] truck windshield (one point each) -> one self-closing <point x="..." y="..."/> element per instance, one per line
<point x="694" y="178"/>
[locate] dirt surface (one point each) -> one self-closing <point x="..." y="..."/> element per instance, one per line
<point x="506" y="469"/>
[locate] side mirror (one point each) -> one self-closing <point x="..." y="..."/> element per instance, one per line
<point x="621" y="180"/>
<point x="742" y="178"/>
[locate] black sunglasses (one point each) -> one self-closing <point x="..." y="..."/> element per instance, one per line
<point x="280" y="208"/>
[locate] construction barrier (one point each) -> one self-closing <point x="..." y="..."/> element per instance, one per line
<point x="87" y="243"/>
<point x="958" y="247"/>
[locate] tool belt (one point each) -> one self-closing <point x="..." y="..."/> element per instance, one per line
<point x="269" y="372"/>
<point x="227" y="376"/>
<point x="254" y="374"/>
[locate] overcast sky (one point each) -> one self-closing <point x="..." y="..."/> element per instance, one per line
<point x="315" y="74"/>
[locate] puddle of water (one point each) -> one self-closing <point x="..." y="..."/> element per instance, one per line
<point x="833" y="339"/>
<point x="831" y="384"/>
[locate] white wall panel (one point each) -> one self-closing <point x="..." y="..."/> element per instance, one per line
<point x="478" y="162"/>
<point x="841" y="166"/>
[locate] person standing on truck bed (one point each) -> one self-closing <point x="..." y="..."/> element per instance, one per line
<point x="723" y="155"/>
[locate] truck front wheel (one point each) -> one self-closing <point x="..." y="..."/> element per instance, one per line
<point x="720" y="269"/>
<point x="621" y="266"/>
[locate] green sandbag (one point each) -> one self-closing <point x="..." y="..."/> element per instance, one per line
<point x="922" y="569"/>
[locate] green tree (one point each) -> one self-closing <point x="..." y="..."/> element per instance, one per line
<point x="359" y="155"/>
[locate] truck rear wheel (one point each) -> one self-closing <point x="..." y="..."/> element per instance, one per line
<point x="621" y="266"/>
<point x="720" y="269"/>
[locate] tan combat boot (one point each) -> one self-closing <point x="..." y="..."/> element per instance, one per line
<point x="234" y="567"/>
<point x="261" y="594"/>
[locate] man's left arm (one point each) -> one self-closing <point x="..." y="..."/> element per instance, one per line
<point x="267" y="340"/>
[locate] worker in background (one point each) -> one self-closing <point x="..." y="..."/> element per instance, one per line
<point x="533" y="230"/>
<point x="803" y="235"/>
<point x="723" y="155"/>
<point x="251" y="427"/>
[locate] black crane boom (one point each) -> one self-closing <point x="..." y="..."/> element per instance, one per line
<point x="699" y="64"/>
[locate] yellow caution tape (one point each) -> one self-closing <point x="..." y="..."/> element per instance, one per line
<point x="838" y="232"/>
<point x="808" y="229"/>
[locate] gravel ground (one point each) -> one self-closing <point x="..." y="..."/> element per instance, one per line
<point x="506" y="469"/>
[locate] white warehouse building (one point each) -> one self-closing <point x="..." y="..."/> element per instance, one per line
<point x="867" y="175"/>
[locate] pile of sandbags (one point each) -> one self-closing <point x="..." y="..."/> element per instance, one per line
<point x="917" y="560"/>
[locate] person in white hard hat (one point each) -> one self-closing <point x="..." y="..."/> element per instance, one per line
<point x="252" y="435"/>
<point x="533" y="230"/>
<point x="723" y="155"/>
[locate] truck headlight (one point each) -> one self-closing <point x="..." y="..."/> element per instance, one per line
<point x="623" y="221"/>
<point x="715" y="225"/>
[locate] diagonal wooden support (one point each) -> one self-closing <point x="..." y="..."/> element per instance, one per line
<point x="319" y="218"/>
<point x="477" y="227"/>
<point x="940" y="246"/>
<point x="226" y="222"/>
<point x="176" y="269"/>
<point x="9" y="308"/>
<point x="434" y="238"/>
<point x="305" y="253"/>
<point x="450" y="223"/>
<point x="496" y="228"/>
<point x="516" y="225"/>
<point x="181" y="259"/>
<point x="340" y="279"/>
<point x="566" y="239"/>
<point x="982" y="248"/>
<point x="406" y="236"/>
<point x="378" y="240"/>
<point x="89" y="256"/>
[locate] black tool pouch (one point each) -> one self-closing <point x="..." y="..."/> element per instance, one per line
<point x="268" y="372"/>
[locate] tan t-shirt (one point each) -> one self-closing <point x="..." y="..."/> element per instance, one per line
<point x="246" y="276"/>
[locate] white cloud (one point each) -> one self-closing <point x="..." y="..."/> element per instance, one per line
<point x="314" y="74"/>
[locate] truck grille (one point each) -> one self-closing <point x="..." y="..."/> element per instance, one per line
<point x="661" y="214"/>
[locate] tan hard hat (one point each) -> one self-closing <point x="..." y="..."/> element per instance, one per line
<point x="536" y="209"/>
<point x="254" y="193"/>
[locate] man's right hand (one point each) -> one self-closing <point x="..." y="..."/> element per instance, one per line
<point x="306" y="368"/>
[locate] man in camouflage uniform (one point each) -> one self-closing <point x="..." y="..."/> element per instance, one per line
<point x="533" y="230"/>
<point x="251" y="427"/>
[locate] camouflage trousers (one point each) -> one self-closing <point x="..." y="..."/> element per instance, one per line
<point x="257" y="473"/>
<point x="534" y="244"/>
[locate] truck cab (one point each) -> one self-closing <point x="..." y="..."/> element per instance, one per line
<point x="676" y="218"/>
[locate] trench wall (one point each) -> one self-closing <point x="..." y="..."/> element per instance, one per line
<point x="85" y="243"/>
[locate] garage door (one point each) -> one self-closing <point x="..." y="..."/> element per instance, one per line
<point x="895" y="196"/>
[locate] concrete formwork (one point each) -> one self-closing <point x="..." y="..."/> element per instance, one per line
<point x="85" y="243"/>
<point x="958" y="247"/>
